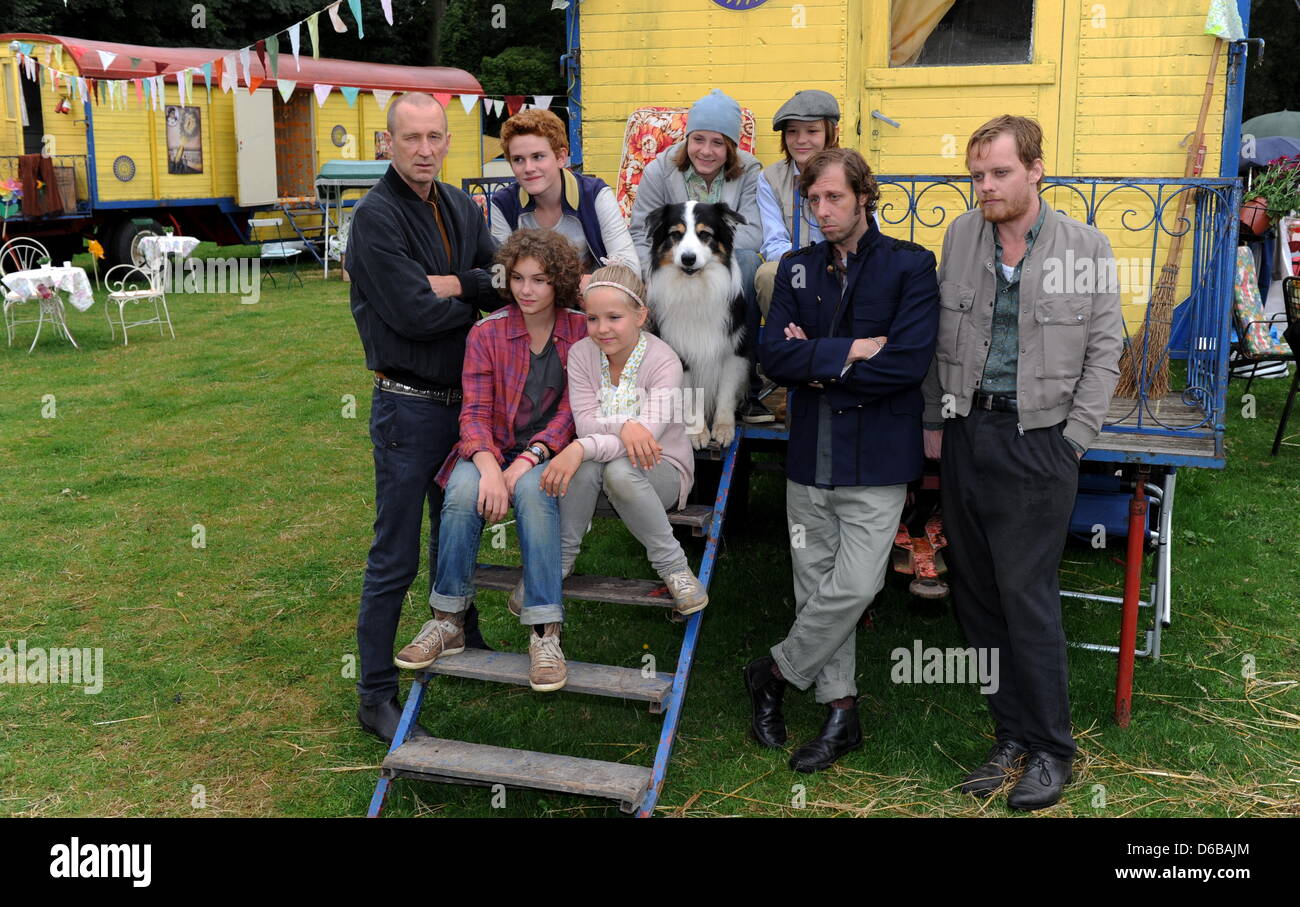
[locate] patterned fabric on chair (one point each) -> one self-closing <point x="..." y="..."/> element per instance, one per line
<point x="1259" y="336"/>
<point x="649" y="131"/>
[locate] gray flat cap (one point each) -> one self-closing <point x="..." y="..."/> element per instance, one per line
<point x="808" y="105"/>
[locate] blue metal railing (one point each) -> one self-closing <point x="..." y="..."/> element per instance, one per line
<point x="1134" y="213"/>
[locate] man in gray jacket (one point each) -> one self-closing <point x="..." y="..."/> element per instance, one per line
<point x="1027" y="359"/>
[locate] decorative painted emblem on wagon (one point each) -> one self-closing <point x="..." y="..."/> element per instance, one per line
<point x="741" y="5"/>
<point x="339" y="135"/>
<point x="124" y="168"/>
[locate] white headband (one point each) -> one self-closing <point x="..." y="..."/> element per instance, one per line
<point x="611" y="283"/>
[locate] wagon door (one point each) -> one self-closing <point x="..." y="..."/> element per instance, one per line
<point x="935" y="70"/>
<point x="255" y="158"/>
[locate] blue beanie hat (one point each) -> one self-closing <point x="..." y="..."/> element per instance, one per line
<point x="717" y="113"/>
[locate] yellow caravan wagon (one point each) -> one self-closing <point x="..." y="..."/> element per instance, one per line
<point x="121" y="172"/>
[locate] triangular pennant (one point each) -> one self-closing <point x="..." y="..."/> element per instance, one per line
<point x="335" y="19"/>
<point x="355" y="6"/>
<point x="514" y="103"/>
<point x="46" y="52"/>
<point x="496" y="107"/>
<point x="187" y="78"/>
<point x="77" y="51"/>
<point x="135" y="62"/>
<point x="543" y="101"/>
<point x="261" y="56"/>
<point x="219" y="73"/>
<point x="295" y="36"/>
<point x="106" y="59"/>
<point x="313" y="32"/>
<point x="245" y="55"/>
<point x="467" y="102"/>
<point x="388" y="10"/>
<point x="254" y="82"/>
<point x="382" y="97"/>
<point x="180" y="86"/>
<point x="29" y="66"/>
<point x="58" y="56"/>
<point x="322" y="92"/>
<point x="349" y="93"/>
<point x="139" y="89"/>
<point x="442" y="97"/>
<point x="159" y="92"/>
<point x="273" y="53"/>
<point x="207" y="79"/>
<point x="286" y="88"/>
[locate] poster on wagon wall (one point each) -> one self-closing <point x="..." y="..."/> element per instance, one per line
<point x="184" y="140"/>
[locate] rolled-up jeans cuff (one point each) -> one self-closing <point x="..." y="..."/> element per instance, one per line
<point x="541" y="614"/>
<point x="453" y="604"/>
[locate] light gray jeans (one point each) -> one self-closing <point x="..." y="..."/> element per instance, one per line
<point x="642" y="498"/>
<point x="840" y="539"/>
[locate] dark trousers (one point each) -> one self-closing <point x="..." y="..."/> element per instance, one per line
<point x="412" y="438"/>
<point x="1007" y="500"/>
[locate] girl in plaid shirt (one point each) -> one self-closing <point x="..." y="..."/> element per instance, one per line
<point x="514" y="417"/>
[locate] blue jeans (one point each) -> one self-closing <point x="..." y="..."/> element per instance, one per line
<point x="412" y="437"/>
<point x="537" y="520"/>
<point x="749" y="261"/>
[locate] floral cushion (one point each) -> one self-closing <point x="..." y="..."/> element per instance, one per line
<point x="649" y="131"/>
<point x="1262" y="337"/>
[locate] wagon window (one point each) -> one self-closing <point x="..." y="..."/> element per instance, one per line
<point x="960" y="32"/>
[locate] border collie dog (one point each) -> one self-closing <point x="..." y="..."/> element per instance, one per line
<point x="698" y="306"/>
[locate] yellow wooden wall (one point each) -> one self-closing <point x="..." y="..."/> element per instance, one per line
<point x="1115" y="85"/>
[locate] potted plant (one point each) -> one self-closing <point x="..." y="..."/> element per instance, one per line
<point x="1274" y="193"/>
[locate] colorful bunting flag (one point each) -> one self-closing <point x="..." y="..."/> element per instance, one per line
<point x="514" y="103"/>
<point x="349" y="93"/>
<point x="313" y="32"/>
<point x="322" y="92"/>
<point x="139" y="89"/>
<point x="106" y="59"/>
<point x="286" y="88"/>
<point x="273" y="52"/>
<point x="382" y="97"/>
<point x="543" y="101"/>
<point x="295" y="36"/>
<point x="388" y="10"/>
<point x="467" y="102"/>
<point x="335" y="19"/>
<point x="207" y="78"/>
<point x="245" y="59"/>
<point x="442" y="97"/>
<point x="355" y="6"/>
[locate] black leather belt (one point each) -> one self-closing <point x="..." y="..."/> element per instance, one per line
<point x="998" y="402"/>
<point x="448" y="396"/>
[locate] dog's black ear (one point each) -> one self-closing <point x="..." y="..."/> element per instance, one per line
<point x="654" y="220"/>
<point x="731" y="216"/>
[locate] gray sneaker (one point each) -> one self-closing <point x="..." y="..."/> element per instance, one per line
<point x="547" y="670"/>
<point x="687" y="592"/>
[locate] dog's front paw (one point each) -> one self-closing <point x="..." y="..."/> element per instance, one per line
<point x="724" y="433"/>
<point x="699" y="440"/>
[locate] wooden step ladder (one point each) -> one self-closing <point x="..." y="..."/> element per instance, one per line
<point x="635" y="788"/>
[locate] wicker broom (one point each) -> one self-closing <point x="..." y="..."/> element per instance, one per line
<point x="1147" y="355"/>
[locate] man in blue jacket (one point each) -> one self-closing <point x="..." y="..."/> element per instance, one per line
<point x="418" y="253"/>
<point x="852" y="329"/>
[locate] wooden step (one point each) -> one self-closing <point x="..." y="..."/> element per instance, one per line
<point x="696" y="516"/>
<point x="588" y="588"/>
<point x="597" y="680"/>
<point x="433" y="759"/>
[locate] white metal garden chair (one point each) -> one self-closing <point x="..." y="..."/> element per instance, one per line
<point x="19" y="254"/>
<point x="128" y="284"/>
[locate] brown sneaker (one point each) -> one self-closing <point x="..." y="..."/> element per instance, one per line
<point x="516" y="601"/>
<point x="687" y="592"/>
<point x="443" y="635"/>
<point x="547" y="671"/>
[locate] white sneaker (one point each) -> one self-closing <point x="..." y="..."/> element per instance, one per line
<point x="547" y="670"/>
<point x="687" y="592"/>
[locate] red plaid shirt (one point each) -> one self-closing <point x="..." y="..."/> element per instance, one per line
<point x="496" y="367"/>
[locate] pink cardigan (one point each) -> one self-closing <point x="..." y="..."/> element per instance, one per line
<point x="662" y="409"/>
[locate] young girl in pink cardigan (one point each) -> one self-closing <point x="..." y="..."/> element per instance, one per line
<point x="625" y="390"/>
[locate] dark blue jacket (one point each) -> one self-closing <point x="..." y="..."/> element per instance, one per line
<point x="578" y="197"/>
<point x="891" y="291"/>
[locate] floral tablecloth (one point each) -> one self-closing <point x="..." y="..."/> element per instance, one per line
<point x="70" y="280"/>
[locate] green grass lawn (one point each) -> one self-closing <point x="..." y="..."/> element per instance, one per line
<point x="227" y="666"/>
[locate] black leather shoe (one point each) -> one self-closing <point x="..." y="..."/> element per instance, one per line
<point x="473" y="637"/>
<point x="1005" y="757"/>
<point x="1041" y="785"/>
<point x="382" y="720"/>
<point x="841" y="732"/>
<point x="767" y="724"/>
<point x="755" y="412"/>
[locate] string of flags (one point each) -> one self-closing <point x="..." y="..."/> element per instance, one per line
<point x="234" y="69"/>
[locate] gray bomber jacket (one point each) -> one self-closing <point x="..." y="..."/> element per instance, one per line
<point x="1071" y="328"/>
